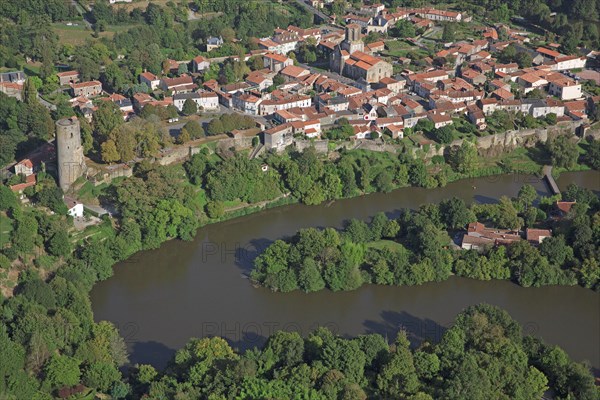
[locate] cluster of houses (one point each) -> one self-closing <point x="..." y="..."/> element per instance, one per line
<point x="478" y="236"/>
<point x="374" y="94"/>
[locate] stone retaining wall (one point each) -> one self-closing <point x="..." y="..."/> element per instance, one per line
<point x="494" y="145"/>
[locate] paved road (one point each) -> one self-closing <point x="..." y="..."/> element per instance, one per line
<point x="46" y="104"/>
<point x="319" y="14"/>
<point x="102" y="210"/>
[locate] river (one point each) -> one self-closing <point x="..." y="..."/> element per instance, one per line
<point x="161" y="298"/>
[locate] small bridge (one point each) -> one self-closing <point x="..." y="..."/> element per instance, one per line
<point x="547" y="171"/>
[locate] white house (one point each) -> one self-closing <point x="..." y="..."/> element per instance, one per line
<point x="24" y="167"/>
<point x="208" y="100"/>
<point x="440" y="120"/>
<point x="75" y="208"/>
<point x="439" y="15"/>
<point x="150" y="80"/>
<point x="279" y="137"/>
<point x="531" y="81"/>
<point x="246" y="102"/>
<point x="568" y="63"/>
<point x="268" y="107"/>
<point x="540" y="108"/>
<point x="204" y="100"/>
<point x="200" y="63"/>
<point x="564" y="88"/>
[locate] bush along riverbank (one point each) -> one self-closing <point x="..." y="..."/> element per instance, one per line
<point x="416" y="247"/>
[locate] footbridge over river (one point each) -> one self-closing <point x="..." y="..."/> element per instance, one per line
<point x="547" y="171"/>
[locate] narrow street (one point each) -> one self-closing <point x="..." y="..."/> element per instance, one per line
<point x="46" y="104"/>
<point x="320" y="16"/>
<point x="82" y="12"/>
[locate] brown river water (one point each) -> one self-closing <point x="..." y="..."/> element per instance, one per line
<point x="161" y="298"/>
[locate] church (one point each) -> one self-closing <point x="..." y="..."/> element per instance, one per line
<point x="349" y="59"/>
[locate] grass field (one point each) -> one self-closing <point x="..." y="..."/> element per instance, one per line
<point x="139" y="4"/>
<point x="76" y="35"/>
<point x="400" y="48"/>
<point x="5" y="229"/>
<point x="101" y="232"/>
<point x="201" y="199"/>
<point x="521" y="159"/>
<point x="385" y="244"/>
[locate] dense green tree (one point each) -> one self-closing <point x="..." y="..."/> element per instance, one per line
<point x="106" y="118"/>
<point x="398" y="376"/>
<point x="527" y="195"/>
<point x="592" y="157"/>
<point x="196" y="167"/>
<point x="384" y="182"/>
<point x="62" y="370"/>
<point x="404" y="29"/>
<point x="60" y="244"/>
<point x="464" y="158"/>
<point x="563" y="151"/>
<point x="455" y="213"/>
<point x="507" y="216"/>
<point x="189" y="107"/>
<point x="8" y="199"/>
<point x="24" y="234"/>
<point x="215" y="209"/>
<point x="52" y="197"/>
<point x="101" y="375"/>
<point x="309" y="276"/>
<point x="358" y="231"/>
<point x="448" y="32"/>
<point x="556" y="250"/>
<point x="444" y="134"/>
<point x="194" y="129"/>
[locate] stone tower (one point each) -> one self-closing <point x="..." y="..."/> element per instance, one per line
<point x="69" y="152"/>
<point x="353" y="41"/>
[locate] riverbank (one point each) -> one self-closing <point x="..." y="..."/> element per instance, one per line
<point x="198" y="286"/>
<point x="521" y="167"/>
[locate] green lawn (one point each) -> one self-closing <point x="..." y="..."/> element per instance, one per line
<point x="200" y="199"/>
<point x="384" y="244"/>
<point x="101" y="232"/>
<point x="76" y="35"/>
<point x="31" y="70"/>
<point x="232" y="203"/>
<point x="520" y="159"/>
<point x="89" y="192"/>
<point x="5" y="229"/>
<point x="401" y="48"/>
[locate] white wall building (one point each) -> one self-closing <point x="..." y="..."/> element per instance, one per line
<point x="565" y="89"/>
<point x="75" y="208"/>
<point x="204" y="100"/>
